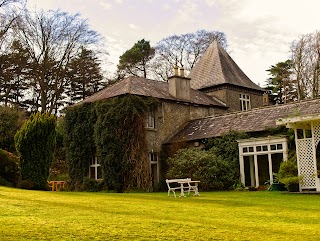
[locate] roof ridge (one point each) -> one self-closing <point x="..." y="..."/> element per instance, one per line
<point x="257" y="108"/>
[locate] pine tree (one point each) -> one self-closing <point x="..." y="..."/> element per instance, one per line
<point x="84" y="75"/>
<point x="280" y="83"/>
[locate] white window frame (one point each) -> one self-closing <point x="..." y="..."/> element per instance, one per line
<point x="96" y="165"/>
<point x="254" y="147"/>
<point x="150" y="120"/>
<point x="154" y="160"/>
<point x="245" y="102"/>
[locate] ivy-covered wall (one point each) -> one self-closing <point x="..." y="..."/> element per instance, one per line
<point x="79" y="141"/>
<point x="114" y="131"/>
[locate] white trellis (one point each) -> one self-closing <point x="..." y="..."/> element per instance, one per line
<point x="307" y="137"/>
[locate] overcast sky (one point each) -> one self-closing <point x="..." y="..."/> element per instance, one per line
<point x="259" y="32"/>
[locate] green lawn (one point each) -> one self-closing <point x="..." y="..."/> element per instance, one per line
<point x="39" y="215"/>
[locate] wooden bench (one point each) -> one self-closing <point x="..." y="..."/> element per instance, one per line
<point x="56" y="185"/>
<point x="179" y="184"/>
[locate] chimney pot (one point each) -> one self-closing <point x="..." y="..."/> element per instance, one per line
<point x="175" y="71"/>
<point x="182" y="72"/>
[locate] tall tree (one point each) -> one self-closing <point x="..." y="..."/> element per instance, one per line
<point x="52" y="38"/>
<point x="183" y="51"/>
<point x="14" y="69"/>
<point x="85" y="75"/>
<point x="135" y="61"/>
<point x="8" y="14"/>
<point x="280" y="82"/>
<point x="305" y="53"/>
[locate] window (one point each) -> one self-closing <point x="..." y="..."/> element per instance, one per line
<point x="95" y="169"/>
<point x="153" y="158"/>
<point x="150" y="120"/>
<point x="245" y="102"/>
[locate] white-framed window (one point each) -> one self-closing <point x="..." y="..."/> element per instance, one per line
<point x="260" y="158"/>
<point x="154" y="161"/>
<point x="245" y="103"/>
<point x="150" y="120"/>
<point x="95" y="169"/>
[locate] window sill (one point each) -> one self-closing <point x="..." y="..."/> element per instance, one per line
<point x="150" y="129"/>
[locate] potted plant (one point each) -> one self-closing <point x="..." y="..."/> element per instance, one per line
<point x="288" y="175"/>
<point x="276" y="185"/>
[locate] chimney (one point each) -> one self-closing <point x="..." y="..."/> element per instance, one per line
<point x="179" y="86"/>
<point x="265" y="99"/>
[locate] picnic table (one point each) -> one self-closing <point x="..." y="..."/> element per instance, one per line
<point x="183" y="184"/>
<point x="191" y="188"/>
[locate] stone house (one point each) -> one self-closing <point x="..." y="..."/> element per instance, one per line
<point x="215" y="97"/>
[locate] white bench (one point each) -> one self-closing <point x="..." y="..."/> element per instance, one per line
<point x="180" y="186"/>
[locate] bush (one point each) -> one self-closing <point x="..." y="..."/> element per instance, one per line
<point x="9" y="169"/>
<point x="11" y="120"/>
<point x="35" y="143"/>
<point x="226" y="148"/>
<point x="214" y="172"/>
<point x="59" y="165"/>
<point x="288" y="173"/>
<point x="91" y="185"/>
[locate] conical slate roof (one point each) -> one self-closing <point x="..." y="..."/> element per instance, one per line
<point x="216" y="67"/>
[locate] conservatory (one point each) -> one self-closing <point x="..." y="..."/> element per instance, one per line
<point x="260" y="158"/>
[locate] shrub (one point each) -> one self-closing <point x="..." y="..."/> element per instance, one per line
<point x="59" y="165"/>
<point x="91" y="185"/>
<point x="288" y="173"/>
<point x="11" y="120"/>
<point x="35" y="143"/>
<point x="9" y="169"/>
<point x="213" y="172"/>
<point x="226" y="148"/>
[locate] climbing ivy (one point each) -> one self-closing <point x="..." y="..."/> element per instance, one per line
<point x="121" y="142"/>
<point x="80" y="149"/>
<point x="114" y="131"/>
<point x="35" y="142"/>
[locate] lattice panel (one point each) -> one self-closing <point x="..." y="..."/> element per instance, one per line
<point x="316" y="132"/>
<point x="306" y="163"/>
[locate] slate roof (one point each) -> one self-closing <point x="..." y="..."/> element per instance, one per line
<point x="258" y="119"/>
<point x="216" y="67"/>
<point x="146" y="87"/>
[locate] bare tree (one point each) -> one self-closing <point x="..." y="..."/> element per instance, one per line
<point x="9" y="11"/>
<point x="306" y="65"/>
<point x="52" y="39"/>
<point x="183" y="51"/>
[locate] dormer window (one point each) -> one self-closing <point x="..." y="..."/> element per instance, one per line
<point x="150" y="120"/>
<point x="245" y="102"/>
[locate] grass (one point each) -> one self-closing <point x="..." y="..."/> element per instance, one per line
<point x="39" y="215"/>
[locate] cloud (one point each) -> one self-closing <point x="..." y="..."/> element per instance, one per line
<point x="133" y="26"/>
<point x="105" y="5"/>
<point x="210" y="2"/>
<point x="166" y="6"/>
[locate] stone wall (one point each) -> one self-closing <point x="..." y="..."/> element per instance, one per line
<point x="170" y="118"/>
<point x="232" y="98"/>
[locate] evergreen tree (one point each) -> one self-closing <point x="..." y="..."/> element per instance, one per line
<point x="84" y="75"/>
<point x="135" y="61"/>
<point x="280" y="83"/>
<point x="35" y="142"/>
